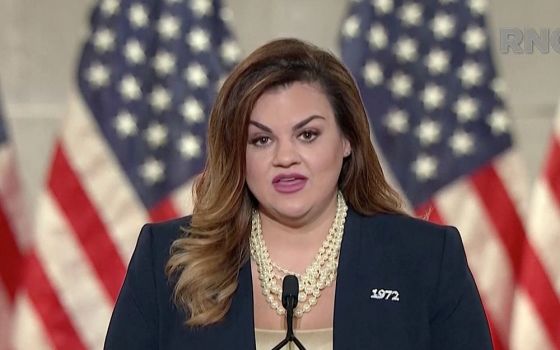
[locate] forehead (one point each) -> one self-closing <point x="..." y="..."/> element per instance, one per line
<point x="292" y="102"/>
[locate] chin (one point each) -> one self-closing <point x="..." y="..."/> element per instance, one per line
<point x="290" y="209"/>
<point x="293" y="213"/>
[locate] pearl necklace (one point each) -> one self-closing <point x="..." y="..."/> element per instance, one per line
<point x="320" y="274"/>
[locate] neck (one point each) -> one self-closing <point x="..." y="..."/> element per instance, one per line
<point x="295" y="247"/>
<point x="309" y="229"/>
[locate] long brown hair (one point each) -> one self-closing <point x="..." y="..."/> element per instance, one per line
<point x="205" y="262"/>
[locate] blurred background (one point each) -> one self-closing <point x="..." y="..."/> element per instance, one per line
<point x="40" y="44"/>
<point x="74" y="235"/>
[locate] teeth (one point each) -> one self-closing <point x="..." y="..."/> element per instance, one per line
<point x="287" y="179"/>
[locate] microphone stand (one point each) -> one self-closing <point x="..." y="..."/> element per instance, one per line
<point x="290" y="290"/>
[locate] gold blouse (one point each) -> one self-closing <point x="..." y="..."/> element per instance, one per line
<point x="316" y="339"/>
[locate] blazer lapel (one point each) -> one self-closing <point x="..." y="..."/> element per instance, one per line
<point x="241" y="314"/>
<point x="346" y="281"/>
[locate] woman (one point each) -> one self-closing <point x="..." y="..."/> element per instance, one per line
<point x="292" y="185"/>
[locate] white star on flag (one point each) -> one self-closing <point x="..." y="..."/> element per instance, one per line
<point x="129" y="88"/>
<point x="196" y="75"/>
<point x="470" y="74"/>
<point x="411" y="14"/>
<point x="138" y="16"/>
<point x="428" y="132"/>
<point x="164" y="63"/>
<point x="230" y="51"/>
<point x="110" y="7"/>
<point x="351" y="27"/>
<point x="160" y="99"/>
<point x="478" y="7"/>
<point x="169" y="27"/>
<point x="156" y="135"/>
<point x="425" y="167"/>
<point x="499" y="122"/>
<point x="466" y="108"/>
<point x="104" y="40"/>
<point x="499" y="87"/>
<point x="437" y="61"/>
<point x="192" y="110"/>
<point x="397" y="121"/>
<point x="373" y="74"/>
<point x="198" y="40"/>
<point x="97" y="75"/>
<point x="201" y="8"/>
<point x="433" y="97"/>
<point x="406" y="49"/>
<point x="134" y="52"/>
<point x="377" y="37"/>
<point x="474" y="38"/>
<point x="401" y="84"/>
<point x="152" y="171"/>
<point x="383" y="6"/>
<point x="443" y="26"/>
<point x="189" y="146"/>
<point x="461" y="143"/>
<point x="125" y="124"/>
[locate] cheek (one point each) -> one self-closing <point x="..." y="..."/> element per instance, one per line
<point x="328" y="152"/>
<point x="328" y="161"/>
<point x="255" y="170"/>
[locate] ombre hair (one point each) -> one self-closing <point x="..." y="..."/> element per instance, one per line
<point x="205" y="261"/>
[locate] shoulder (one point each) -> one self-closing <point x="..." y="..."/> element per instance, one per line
<point x="170" y="229"/>
<point x="404" y="246"/>
<point x="405" y="232"/>
<point x="145" y="293"/>
<point x="161" y="235"/>
<point x="154" y="243"/>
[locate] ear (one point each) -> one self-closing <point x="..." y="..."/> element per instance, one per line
<point x="346" y="147"/>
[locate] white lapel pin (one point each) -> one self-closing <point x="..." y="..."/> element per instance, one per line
<point x="385" y="294"/>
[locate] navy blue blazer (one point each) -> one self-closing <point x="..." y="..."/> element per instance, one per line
<point x="437" y="307"/>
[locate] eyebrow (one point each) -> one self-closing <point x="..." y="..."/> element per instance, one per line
<point x="294" y="128"/>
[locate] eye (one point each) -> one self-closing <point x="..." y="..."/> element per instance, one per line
<point x="260" y="140"/>
<point x="309" y="135"/>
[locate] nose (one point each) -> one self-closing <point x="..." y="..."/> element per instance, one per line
<point x="286" y="154"/>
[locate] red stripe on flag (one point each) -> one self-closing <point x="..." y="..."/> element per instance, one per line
<point x="428" y="211"/>
<point x="542" y="293"/>
<point x="86" y="224"/>
<point x="532" y="277"/>
<point x="10" y="257"/>
<point x="497" y="343"/>
<point x="552" y="169"/>
<point x="164" y="210"/>
<point x="47" y="305"/>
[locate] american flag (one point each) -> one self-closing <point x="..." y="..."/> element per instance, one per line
<point x="431" y="91"/>
<point x="543" y="228"/>
<point x="13" y="233"/>
<point x="128" y="151"/>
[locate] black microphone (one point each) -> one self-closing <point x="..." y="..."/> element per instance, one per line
<point x="290" y="291"/>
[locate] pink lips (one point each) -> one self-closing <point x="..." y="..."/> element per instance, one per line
<point x="289" y="183"/>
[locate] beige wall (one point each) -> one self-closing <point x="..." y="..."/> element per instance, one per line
<point x="40" y="41"/>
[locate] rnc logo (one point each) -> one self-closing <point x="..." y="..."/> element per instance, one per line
<point x="525" y="41"/>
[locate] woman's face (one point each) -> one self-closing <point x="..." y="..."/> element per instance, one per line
<point x="294" y="151"/>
